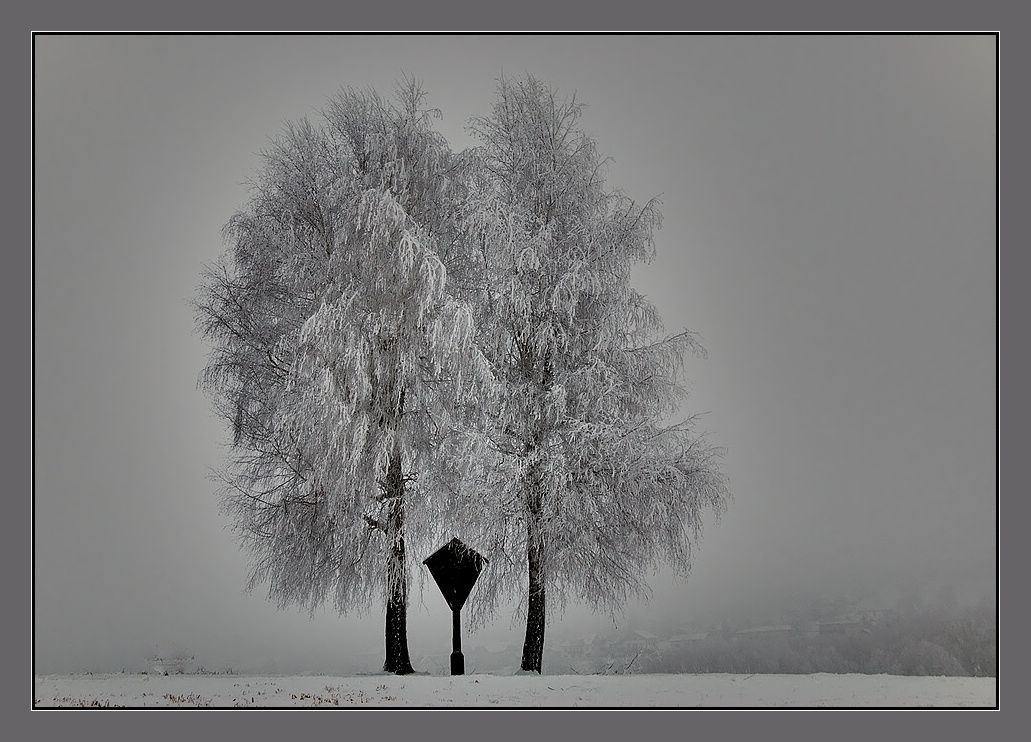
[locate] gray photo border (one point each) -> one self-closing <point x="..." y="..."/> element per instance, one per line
<point x="536" y="16"/>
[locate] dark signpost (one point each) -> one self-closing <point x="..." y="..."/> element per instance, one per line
<point x="455" y="567"/>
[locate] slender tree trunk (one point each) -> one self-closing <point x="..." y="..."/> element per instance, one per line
<point x="397" y="659"/>
<point x="533" y="644"/>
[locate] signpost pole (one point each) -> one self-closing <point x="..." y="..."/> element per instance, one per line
<point x="457" y="659"/>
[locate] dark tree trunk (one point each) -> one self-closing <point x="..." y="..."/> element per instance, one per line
<point x="397" y="659"/>
<point x="533" y="644"/>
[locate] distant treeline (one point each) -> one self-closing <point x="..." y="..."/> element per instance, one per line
<point x="917" y="642"/>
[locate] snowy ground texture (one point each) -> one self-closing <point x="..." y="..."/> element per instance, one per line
<point x="712" y="690"/>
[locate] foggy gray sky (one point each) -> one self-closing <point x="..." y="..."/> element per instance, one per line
<point x="829" y="229"/>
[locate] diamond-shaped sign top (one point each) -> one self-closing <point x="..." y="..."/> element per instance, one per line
<point x="455" y="568"/>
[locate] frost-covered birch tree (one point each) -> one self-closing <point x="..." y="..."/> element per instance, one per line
<point x="586" y="484"/>
<point x="342" y="350"/>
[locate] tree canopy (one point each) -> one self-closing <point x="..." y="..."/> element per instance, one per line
<point x="582" y="470"/>
<point x="410" y="343"/>
<point x="339" y="352"/>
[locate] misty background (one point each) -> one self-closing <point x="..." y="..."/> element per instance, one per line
<point x="829" y="230"/>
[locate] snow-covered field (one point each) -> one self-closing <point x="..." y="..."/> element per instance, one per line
<point x="518" y="690"/>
